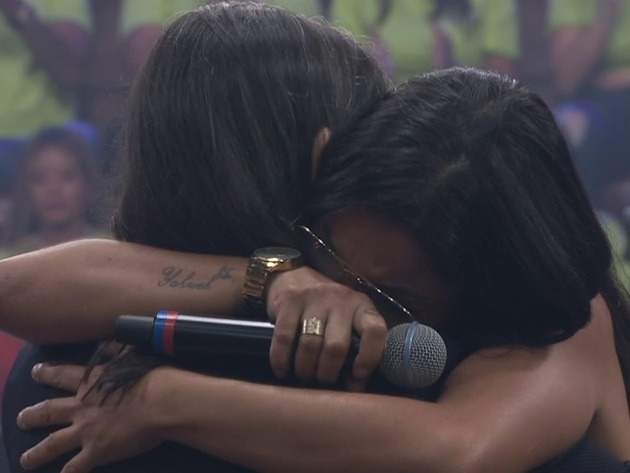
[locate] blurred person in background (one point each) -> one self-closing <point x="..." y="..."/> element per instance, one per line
<point x="479" y="33"/>
<point x="42" y="49"/>
<point x="415" y="36"/>
<point x="54" y="196"/>
<point x="590" y="61"/>
<point x="53" y="203"/>
<point x="123" y="33"/>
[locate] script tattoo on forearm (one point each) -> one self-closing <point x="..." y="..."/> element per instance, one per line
<point x="177" y="278"/>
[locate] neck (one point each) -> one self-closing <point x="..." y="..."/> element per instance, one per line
<point x="54" y="234"/>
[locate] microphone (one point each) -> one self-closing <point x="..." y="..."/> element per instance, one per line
<point x="414" y="356"/>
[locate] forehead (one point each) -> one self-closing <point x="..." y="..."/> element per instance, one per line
<point x="52" y="156"/>
<point x="384" y="253"/>
<point x="373" y="243"/>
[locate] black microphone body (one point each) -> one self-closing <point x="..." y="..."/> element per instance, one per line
<point x="173" y="334"/>
<point x="414" y="357"/>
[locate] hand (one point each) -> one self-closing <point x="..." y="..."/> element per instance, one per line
<point x="303" y="293"/>
<point x="105" y="432"/>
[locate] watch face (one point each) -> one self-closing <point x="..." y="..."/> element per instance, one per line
<point x="278" y="253"/>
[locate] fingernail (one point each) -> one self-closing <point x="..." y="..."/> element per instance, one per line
<point x="20" y="420"/>
<point x="35" y="370"/>
<point x="24" y="459"/>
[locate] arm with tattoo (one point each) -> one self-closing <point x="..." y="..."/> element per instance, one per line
<point x="75" y="292"/>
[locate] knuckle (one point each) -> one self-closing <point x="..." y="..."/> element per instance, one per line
<point x="366" y="302"/>
<point x="283" y="338"/>
<point x="70" y="467"/>
<point x="310" y="344"/>
<point x="375" y="329"/>
<point x="283" y="302"/>
<point x="335" y="349"/>
<point x="274" y="306"/>
<point x="51" y="445"/>
<point x="55" y="377"/>
<point x="45" y="411"/>
<point x="334" y="288"/>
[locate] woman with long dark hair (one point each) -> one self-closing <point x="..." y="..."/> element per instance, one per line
<point x="459" y="195"/>
<point x="219" y="145"/>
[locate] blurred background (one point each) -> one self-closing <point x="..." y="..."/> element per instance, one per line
<point x="66" y="68"/>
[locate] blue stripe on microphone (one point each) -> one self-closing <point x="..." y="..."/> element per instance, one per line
<point x="407" y="352"/>
<point x="158" y="332"/>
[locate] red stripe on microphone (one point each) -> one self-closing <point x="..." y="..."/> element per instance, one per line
<point x="169" y="333"/>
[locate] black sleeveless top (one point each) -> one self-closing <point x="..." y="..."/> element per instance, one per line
<point x="21" y="391"/>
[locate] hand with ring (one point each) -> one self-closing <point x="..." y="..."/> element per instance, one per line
<point x="323" y="315"/>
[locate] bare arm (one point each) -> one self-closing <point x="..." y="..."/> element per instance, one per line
<point x="480" y="425"/>
<point x="58" y="47"/>
<point x="502" y="411"/>
<point x="75" y="292"/>
<point x="577" y="51"/>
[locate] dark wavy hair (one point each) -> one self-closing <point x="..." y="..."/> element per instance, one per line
<point x="221" y="129"/>
<point x="222" y="120"/>
<point x="474" y="166"/>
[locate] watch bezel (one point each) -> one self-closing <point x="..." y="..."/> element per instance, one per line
<point x="278" y="254"/>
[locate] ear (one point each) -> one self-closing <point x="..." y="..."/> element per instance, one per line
<point x="320" y="142"/>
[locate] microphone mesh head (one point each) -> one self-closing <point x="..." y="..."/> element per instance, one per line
<point x="414" y="357"/>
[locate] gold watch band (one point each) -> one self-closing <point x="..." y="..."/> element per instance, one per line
<point x="262" y="263"/>
<point x="254" y="285"/>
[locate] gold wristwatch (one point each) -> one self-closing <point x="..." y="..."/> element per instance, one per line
<point x="262" y="263"/>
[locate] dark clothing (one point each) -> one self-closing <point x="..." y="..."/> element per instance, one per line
<point x="584" y="457"/>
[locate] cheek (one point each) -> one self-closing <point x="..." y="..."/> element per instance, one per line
<point x="37" y="193"/>
<point x="75" y="191"/>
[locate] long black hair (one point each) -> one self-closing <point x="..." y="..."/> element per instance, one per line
<point x="221" y="125"/>
<point x="474" y="166"/>
<point x="221" y="129"/>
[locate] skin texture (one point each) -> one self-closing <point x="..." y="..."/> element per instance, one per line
<point x="502" y="410"/>
<point x="146" y="280"/>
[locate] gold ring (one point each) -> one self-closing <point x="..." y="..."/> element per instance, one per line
<point x="313" y="326"/>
